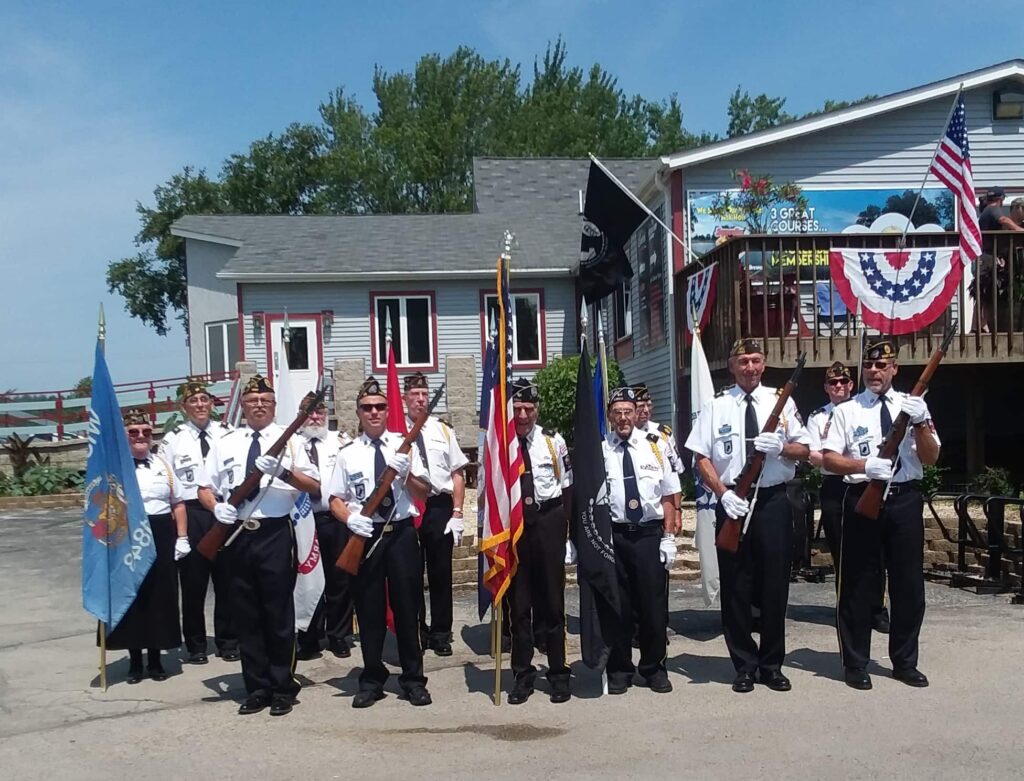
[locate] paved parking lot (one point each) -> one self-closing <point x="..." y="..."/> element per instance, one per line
<point x="56" y="723"/>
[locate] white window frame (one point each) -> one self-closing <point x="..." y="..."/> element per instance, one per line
<point x="402" y="328"/>
<point x="225" y="341"/>
<point x="536" y="295"/>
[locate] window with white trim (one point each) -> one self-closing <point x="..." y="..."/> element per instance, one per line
<point x="622" y="314"/>
<point x="526" y="326"/>
<point x="412" y="330"/>
<point x="221" y="346"/>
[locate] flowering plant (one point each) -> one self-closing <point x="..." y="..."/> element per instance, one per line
<point x="754" y="202"/>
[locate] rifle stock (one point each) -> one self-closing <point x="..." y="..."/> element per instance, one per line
<point x="352" y="554"/>
<point x="215" y="538"/>
<point x="870" y="503"/>
<point x="728" y="537"/>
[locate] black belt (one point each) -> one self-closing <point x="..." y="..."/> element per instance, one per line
<point x="646" y="527"/>
<point x="764" y="490"/>
<point x="895" y="489"/>
<point x="194" y="503"/>
<point x="547" y="505"/>
<point x="255" y="524"/>
<point x="831" y="478"/>
<point x="390" y="526"/>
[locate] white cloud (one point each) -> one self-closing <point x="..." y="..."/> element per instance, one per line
<point x="78" y="148"/>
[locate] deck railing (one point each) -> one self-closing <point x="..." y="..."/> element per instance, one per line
<point x="779" y="289"/>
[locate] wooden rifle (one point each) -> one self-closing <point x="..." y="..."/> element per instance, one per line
<point x="352" y="554"/>
<point x="870" y="503"/>
<point x="728" y="538"/>
<point x="214" y="539"/>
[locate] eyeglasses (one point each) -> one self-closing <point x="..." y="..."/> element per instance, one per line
<point x="372" y="407"/>
<point x="140" y="432"/>
<point x="879" y="365"/>
<point x="839" y="381"/>
<point x="259" y="402"/>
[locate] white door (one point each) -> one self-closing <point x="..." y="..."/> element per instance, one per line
<point x="303" y="361"/>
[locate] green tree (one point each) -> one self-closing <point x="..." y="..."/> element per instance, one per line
<point x="926" y="211"/>
<point x="749" y="114"/>
<point x="557" y="385"/>
<point x="83" y="388"/>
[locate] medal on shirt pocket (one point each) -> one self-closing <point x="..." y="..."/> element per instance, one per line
<point x="359" y="489"/>
<point x="864" y="449"/>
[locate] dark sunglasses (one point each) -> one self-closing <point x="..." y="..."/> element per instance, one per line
<point x="140" y="432"/>
<point x="839" y="381"/>
<point x="879" y="365"/>
<point x="372" y="407"/>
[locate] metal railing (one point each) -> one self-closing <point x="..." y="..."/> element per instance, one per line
<point x="780" y="289"/>
<point x="64" y="414"/>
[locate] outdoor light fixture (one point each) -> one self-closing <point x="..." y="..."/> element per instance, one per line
<point x="327" y="318"/>
<point x="257" y="325"/>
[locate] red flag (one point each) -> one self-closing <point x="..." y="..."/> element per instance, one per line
<point x="396" y="410"/>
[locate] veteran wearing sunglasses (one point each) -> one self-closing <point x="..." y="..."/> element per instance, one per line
<point x="893" y="544"/>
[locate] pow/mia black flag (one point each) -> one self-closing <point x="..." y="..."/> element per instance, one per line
<point x="611" y="218"/>
<point x="591" y="527"/>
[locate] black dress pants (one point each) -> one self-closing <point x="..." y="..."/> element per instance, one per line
<point x="436" y="550"/>
<point x="262" y="588"/>
<point x="194" y="574"/>
<point x="642" y="583"/>
<point x="332" y="618"/>
<point x="833" y="489"/>
<point x="893" y="544"/>
<point x="396" y="566"/>
<point x="537" y="593"/>
<point x="761" y="567"/>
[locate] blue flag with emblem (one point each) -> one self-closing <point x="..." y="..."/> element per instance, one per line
<point x="117" y="542"/>
<point x="602" y="420"/>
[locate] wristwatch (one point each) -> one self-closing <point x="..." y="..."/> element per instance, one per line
<point x="286" y="476"/>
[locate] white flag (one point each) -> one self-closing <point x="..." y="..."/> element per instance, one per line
<point x="701" y="390"/>
<point x="309" y="584"/>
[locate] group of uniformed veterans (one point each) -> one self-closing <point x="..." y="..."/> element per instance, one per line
<point x="419" y="521"/>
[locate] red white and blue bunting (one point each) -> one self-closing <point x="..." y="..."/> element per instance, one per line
<point x="899" y="292"/>
<point x="700" y="296"/>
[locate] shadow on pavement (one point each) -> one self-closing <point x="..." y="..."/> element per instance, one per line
<point x="702" y="669"/>
<point x="477" y="638"/>
<point x="225" y="687"/>
<point x="700" y="625"/>
<point x="824" y="664"/>
<point x="824" y="615"/>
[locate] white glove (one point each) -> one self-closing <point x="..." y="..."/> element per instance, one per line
<point x="359" y="523"/>
<point x="401" y="463"/>
<point x="734" y="506"/>
<point x="570" y="553"/>
<point x="878" y="468"/>
<point x="181" y="548"/>
<point x="270" y="465"/>
<point x="916" y="409"/>
<point x="225" y="513"/>
<point x="769" y="444"/>
<point x="667" y="551"/>
<point x="456" y="526"/>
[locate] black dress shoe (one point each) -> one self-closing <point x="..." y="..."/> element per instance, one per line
<point x="659" y="682"/>
<point x="135" y="676"/>
<point x="880" y="623"/>
<point x="341" y="651"/>
<point x="231" y="655"/>
<point x="157" y="673"/>
<point x="254" y="704"/>
<point x="776" y="681"/>
<point x="419" y="696"/>
<point x="743" y="683"/>
<point x="857" y="679"/>
<point x="520" y="693"/>
<point x="366" y="698"/>
<point x="560" y="691"/>
<point x="911" y="676"/>
<point x="281" y="705"/>
<point x="198" y="657"/>
<point x="443" y="648"/>
<point x="305" y="654"/>
<point x="619" y="684"/>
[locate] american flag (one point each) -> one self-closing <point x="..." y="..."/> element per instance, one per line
<point x="502" y="461"/>
<point x="952" y="167"/>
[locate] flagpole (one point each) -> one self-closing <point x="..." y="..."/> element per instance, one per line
<point x="604" y="359"/>
<point x="102" y="627"/>
<point x="636" y="200"/>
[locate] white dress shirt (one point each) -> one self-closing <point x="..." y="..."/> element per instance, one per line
<point x="856" y="431"/>
<point x="549" y="464"/>
<point x="440" y="449"/>
<point x="158" y="486"/>
<point x="655" y="477"/>
<point x="720" y="428"/>
<point x="228" y="459"/>
<point x="327" y="450"/>
<point x="667" y="435"/>
<point x="816" y="427"/>
<point x="354" y="476"/>
<point x="182" y="449"/>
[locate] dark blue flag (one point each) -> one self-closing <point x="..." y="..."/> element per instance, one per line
<point x="484" y="596"/>
<point x="117" y="543"/>
<point x="602" y="419"/>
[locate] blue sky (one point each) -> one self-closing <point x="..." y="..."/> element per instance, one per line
<point x="101" y="101"/>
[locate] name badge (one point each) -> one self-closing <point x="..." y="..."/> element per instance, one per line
<point x="726" y="429"/>
<point x="860" y="431"/>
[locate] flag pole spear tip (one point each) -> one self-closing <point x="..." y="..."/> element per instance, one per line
<point x="102" y="325"/>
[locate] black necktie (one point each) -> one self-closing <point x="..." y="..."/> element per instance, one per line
<point x="379" y="465"/>
<point x="204" y="446"/>
<point x="315" y="458"/>
<point x="750" y="427"/>
<point x="526" y="481"/>
<point x="250" y="463"/>
<point x="884" y="416"/>
<point x="634" y="510"/>
<point x="143" y="462"/>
